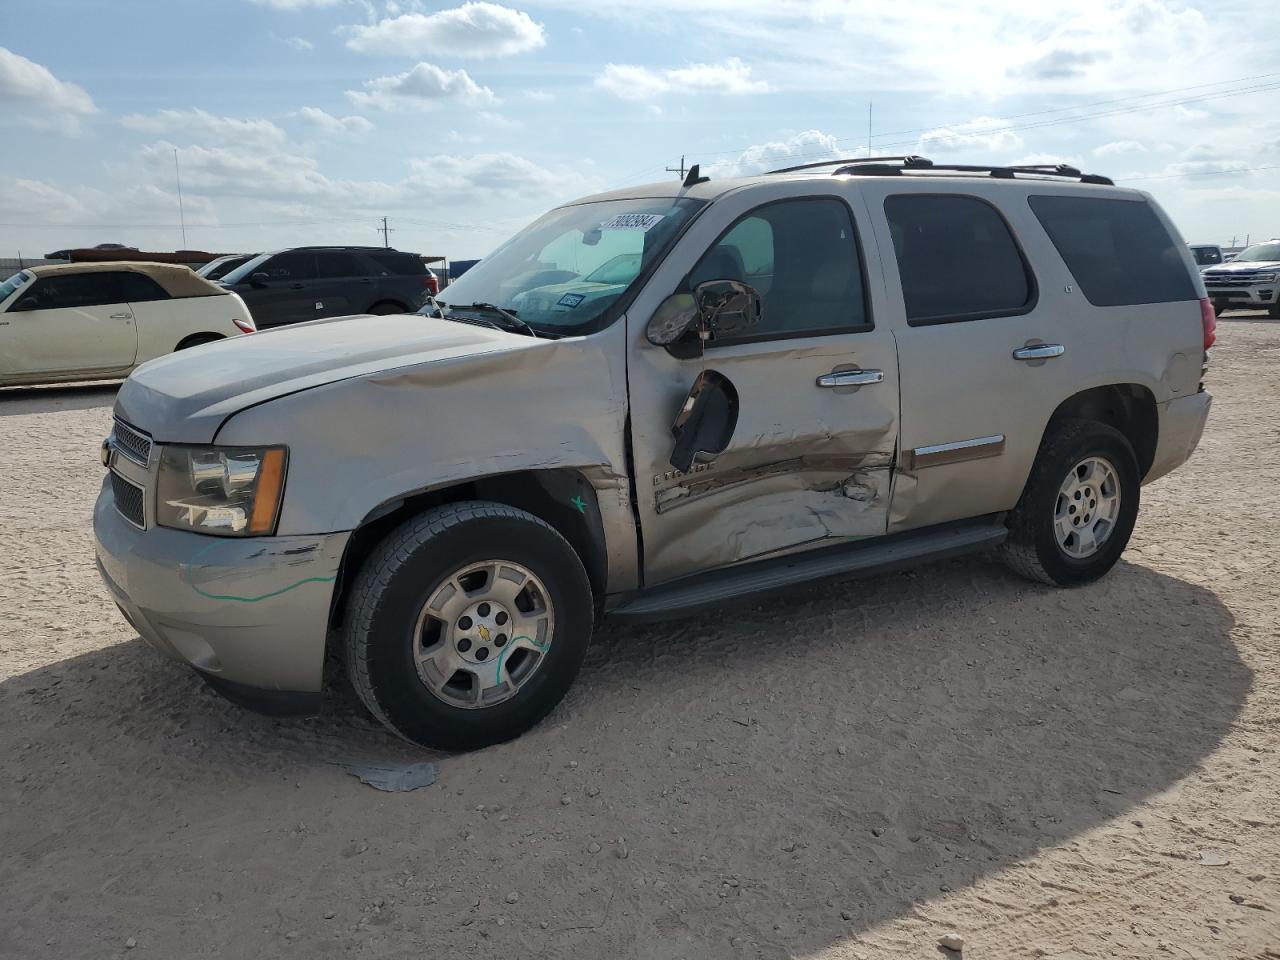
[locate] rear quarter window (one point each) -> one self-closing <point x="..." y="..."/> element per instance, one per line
<point x="400" y="264"/>
<point x="1118" y="251"/>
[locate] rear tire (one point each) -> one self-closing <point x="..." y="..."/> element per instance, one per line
<point x="403" y="636"/>
<point x="1078" y="508"/>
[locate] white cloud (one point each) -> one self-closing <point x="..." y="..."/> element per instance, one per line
<point x="631" y="82"/>
<point x="1118" y="147"/>
<point x="809" y="146"/>
<point x="328" y="123"/>
<point x="41" y="98"/>
<point x="300" y="43"/>
<point x="474" y="30"/>
<point x="202" y="126"/>
<point x="987" y="135"/>
<point x="424" y="85"/>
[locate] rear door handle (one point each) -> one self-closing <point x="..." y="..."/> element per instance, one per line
<point x="122" y="316"/>
<point x="851" y="378"/>
<point x="1039" y="351"/>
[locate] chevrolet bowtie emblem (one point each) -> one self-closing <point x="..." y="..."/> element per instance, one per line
<point x="484" y="633"/>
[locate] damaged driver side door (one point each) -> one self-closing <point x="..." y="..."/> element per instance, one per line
<point x="810" y="391"/>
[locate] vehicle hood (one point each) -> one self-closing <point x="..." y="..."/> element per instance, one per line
<point x="186" y="396"/>
<point x="1237" y="266"/>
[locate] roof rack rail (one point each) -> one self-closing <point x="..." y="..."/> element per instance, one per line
<point x="885" y="167"/>
<point x="846" y="162"/>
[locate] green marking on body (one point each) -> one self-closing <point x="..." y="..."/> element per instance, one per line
<point x="579" y="503"/>
<point x="239" y="599"/>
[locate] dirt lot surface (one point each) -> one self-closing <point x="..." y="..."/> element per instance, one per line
<point x="851" y="771"/>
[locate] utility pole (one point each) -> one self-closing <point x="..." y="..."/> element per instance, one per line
<point x="680" y="171"/>
<point x="385" y="231"/>
<point x="182" y="219"/>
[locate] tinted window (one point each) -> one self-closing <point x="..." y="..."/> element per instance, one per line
<point x="339" y="263"/>
<point x="69" y="291"/>
<point x="957" y="259"/>
<point x="137" y="288"/>
<point x="289" y="266"/>
<point x="802" y="257"/>
<point x="1206" y="256"/>
<point x="1118" y="251"/>
<point x="401" y="264"/>
<point x="13" y="283"/>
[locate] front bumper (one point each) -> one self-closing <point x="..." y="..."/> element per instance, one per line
<point x="1181" y="425"/>
<point x="250" y="615"/>
<point x="1257" y="297"/>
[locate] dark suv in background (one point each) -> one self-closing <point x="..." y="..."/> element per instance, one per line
<point x="307" y="283"/>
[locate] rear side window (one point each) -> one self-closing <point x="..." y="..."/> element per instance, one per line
<point x="957" y="259"/>
<point x="71" y="291"/>
<point x="400" y="264"/>
<point x="137" y="288"/>
<point x="802" y="257"/>
<point x="1118" y="251"/>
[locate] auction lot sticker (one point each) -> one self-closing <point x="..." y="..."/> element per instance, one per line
<point x="632" y="221"/>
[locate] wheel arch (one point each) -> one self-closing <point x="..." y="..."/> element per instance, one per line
<point x="195" y="339"/>
<point x="1128" y="407"/>
<point x="563" y="498"/>
<point x="396" y="305"/>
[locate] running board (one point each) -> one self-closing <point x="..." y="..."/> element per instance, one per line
<point x="860" y="559"/>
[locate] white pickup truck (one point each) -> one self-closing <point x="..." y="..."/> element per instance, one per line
<point x="1249" y="282"/>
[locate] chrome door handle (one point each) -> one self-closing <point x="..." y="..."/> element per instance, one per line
<point x="122" y="316"/>
<point x="1039" y="351"/>
<point x="851" y="378"/>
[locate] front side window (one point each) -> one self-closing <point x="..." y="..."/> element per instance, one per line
<point x="957" y="259"/>
<point x="278" y="266"/>
<point x="70" y="291"/>
<point x="1117" y="250"/>
<point x="802" y="257"/>
<point x="564" y="273"/>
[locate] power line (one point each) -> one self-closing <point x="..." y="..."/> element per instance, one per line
<point x="1201" y="173"/>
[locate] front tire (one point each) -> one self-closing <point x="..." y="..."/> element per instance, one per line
<point x="1079" y="506"/>
<point x="467" y="625"/>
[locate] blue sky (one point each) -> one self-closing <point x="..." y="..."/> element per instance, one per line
<point x="304" y="121"/>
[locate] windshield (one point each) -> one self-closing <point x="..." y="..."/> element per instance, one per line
<point x="562" y="273"/>
<point x="218" y="269"/>
<point x="12" y="284"/>
<point x="1260" y="252"/>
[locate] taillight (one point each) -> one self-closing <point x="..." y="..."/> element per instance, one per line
<point x="244" y="326"/>
<point x="1208" y="320"/>
<point x="432" y="283"/>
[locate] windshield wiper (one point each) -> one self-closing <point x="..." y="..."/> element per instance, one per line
<point x="513" y="323"/>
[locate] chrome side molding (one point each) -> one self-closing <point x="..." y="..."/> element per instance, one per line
<point x="958" y="451"/>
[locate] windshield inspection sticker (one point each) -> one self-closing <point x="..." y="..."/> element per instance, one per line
<point x="570" y="300"/>
<point x="632" y="221"/>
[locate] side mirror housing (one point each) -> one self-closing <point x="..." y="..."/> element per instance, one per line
<point x="724" y="307"/>
<point x="26" y="303"/>
<point x="259" y="279"/>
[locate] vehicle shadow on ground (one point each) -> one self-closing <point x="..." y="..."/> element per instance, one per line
<point x="790" y="772"/>
<point x="21" y="401"/>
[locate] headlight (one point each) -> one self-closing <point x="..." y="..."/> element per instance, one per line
<point x="225" y="491"/>
<point x="1264" y="278"/>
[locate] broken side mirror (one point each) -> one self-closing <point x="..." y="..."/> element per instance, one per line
<point x="706" y="421"/>
<point x="716" y="307"/>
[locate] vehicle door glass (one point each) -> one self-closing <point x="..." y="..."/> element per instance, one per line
<point x="957" y="259"/>
<point x="139" y="288"/>
<point x="290" y="267"/>
<point x="13" y="283"/>
<point x="332" y="264"/>
<point x="71" y="291"/>
<point x="802" y="257"/>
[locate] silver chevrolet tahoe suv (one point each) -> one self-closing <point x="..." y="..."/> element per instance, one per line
<point x="648" y="402"/>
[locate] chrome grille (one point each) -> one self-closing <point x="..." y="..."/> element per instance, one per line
<point x="131" y="443"/>
<point x="129" y="500"/>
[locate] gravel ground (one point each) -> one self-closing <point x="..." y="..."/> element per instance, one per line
<point x="851" y="771"/>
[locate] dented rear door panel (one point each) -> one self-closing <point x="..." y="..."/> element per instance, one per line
<point x="807" y="466"/>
